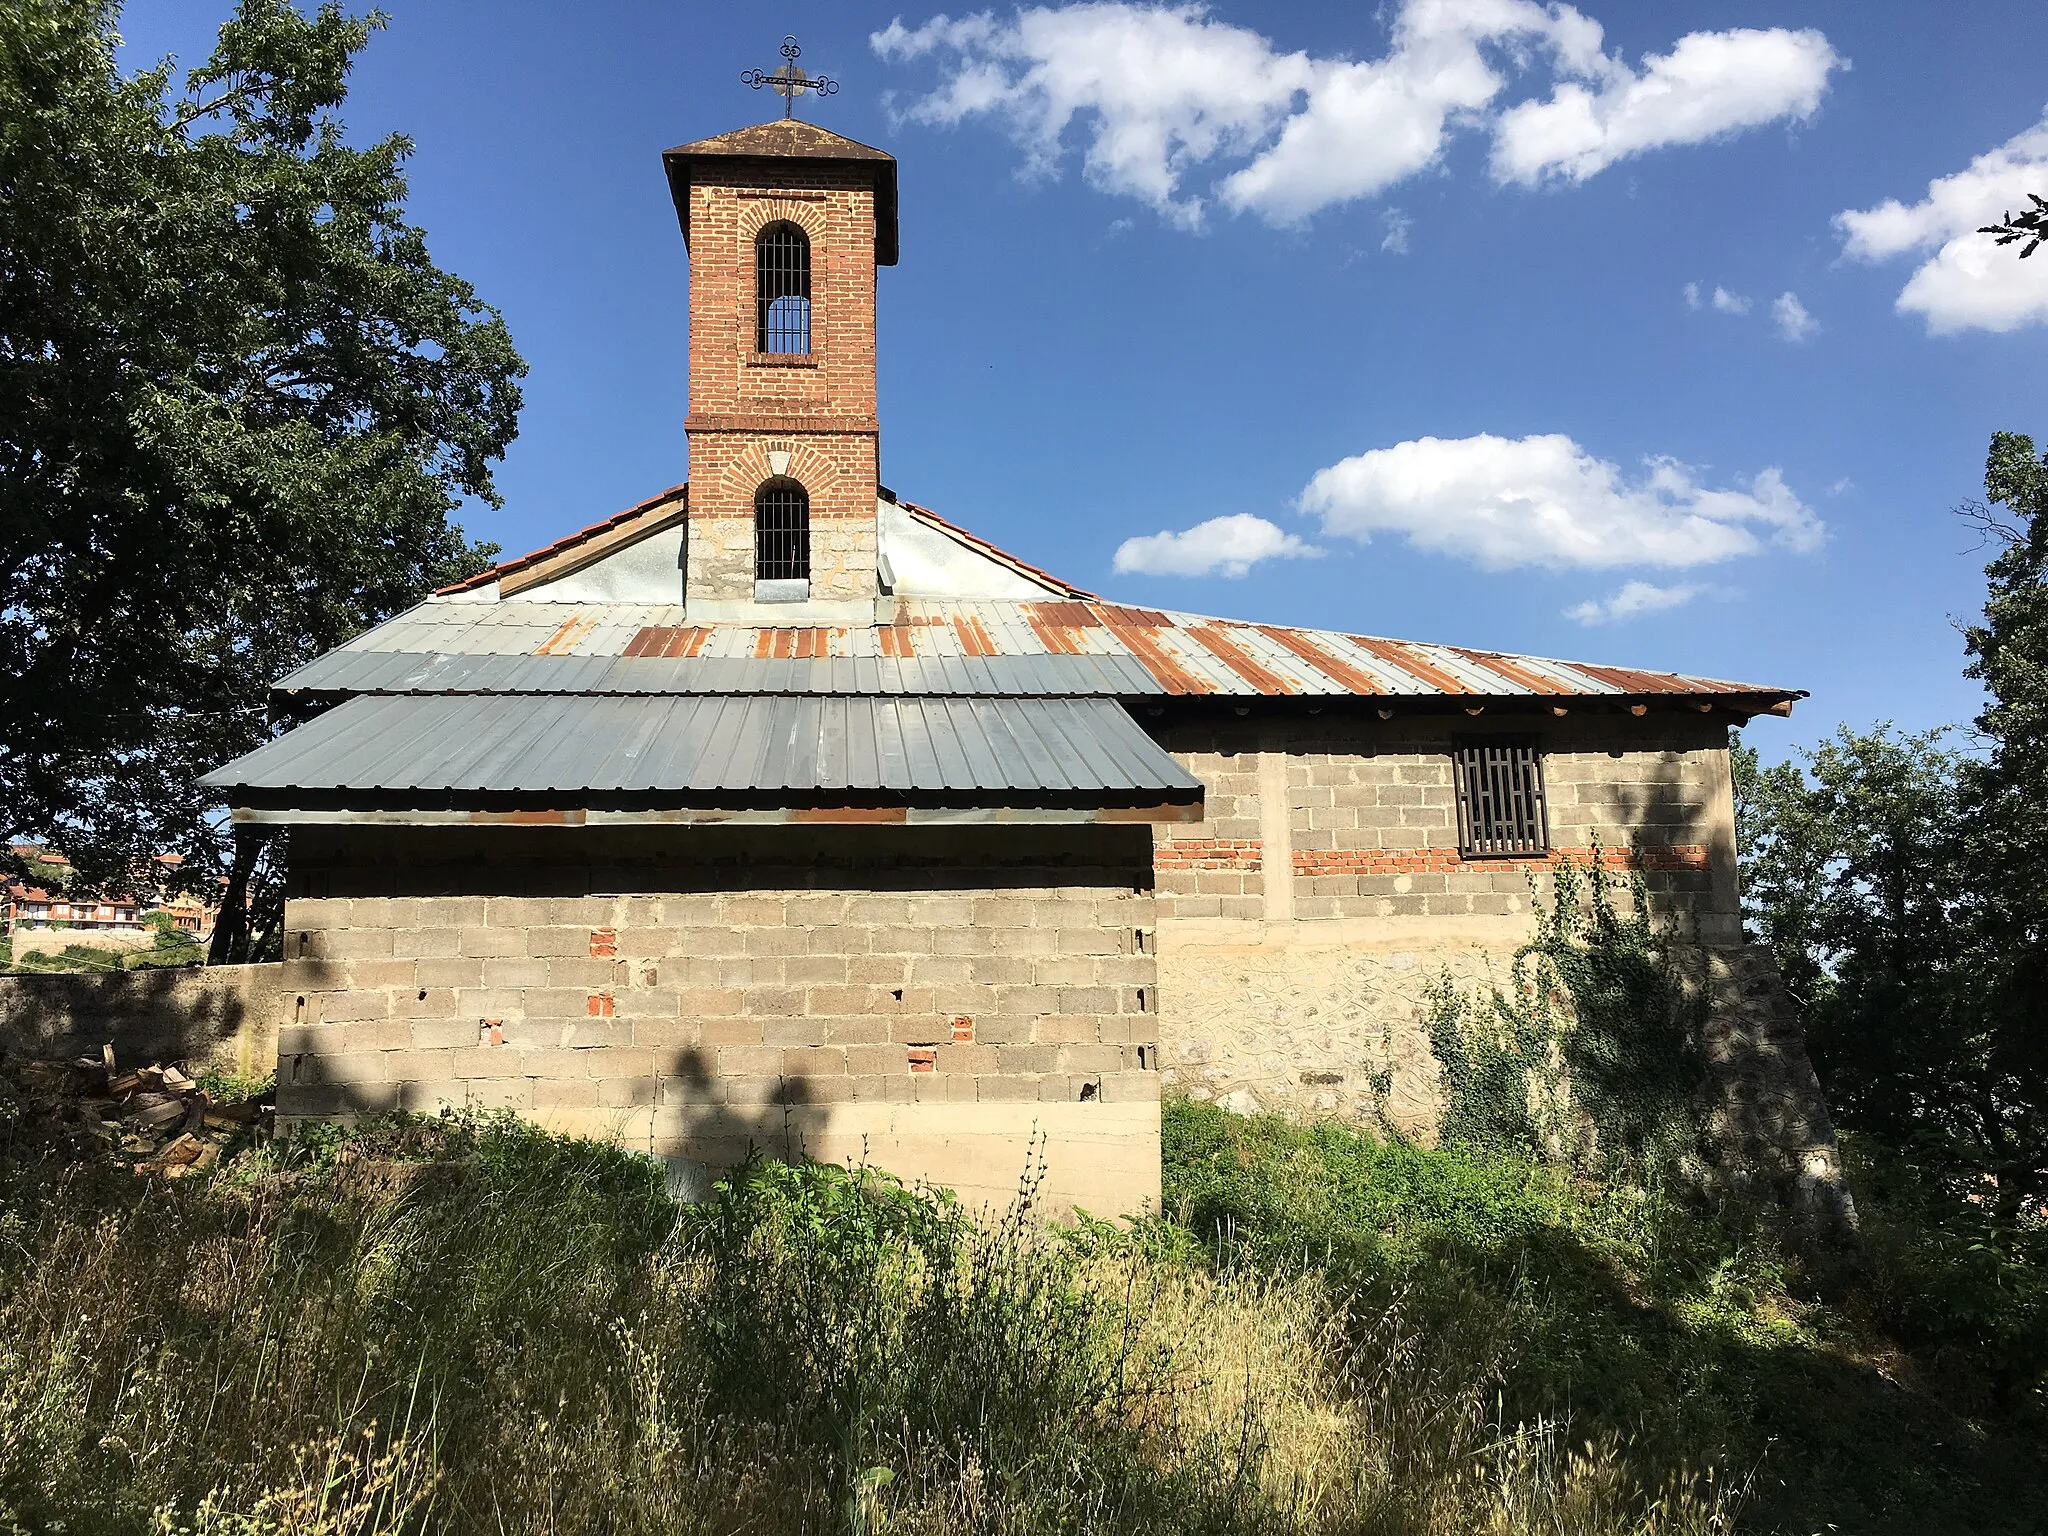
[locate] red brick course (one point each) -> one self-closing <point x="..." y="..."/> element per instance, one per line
<point x="1209" y="853"/>
<point x="1439" y="861"/>
<point x="1246" y="854"/>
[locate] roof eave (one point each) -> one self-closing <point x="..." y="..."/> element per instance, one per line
<point x="1745" y="703"/>
<point x="500" y="809"/>
<point x="676" y="164"/>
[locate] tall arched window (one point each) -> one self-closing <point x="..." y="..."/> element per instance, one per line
<point x="782" y="532"/>
<point x="782" y="290"/>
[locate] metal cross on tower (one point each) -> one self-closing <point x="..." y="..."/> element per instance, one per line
<point x="789" y="81"/>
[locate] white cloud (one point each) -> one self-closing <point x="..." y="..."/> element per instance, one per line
<point x="1228" y="546"/>
<point x="1396" y="224"/>
<point x="1692" y="295"/>
<point x="1634" y="598"/>
<point x="1730" y="303"/>
<point x="1791" y="318"/>
<point x="1709" y="86"/>
<point x="1167" y="88"/>
<point x="1165" y="96"/>
<point x="1506" y="502"/>
<point x="1970" y="281"/>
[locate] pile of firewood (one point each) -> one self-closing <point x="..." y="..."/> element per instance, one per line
<point x="156" y="1118"/>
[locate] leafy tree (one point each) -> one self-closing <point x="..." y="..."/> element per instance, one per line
<point x="238" y="404"/>
<point x="1899" y="881"/>
<point x="1853" y="873"/>
<point x="2005" y="789"/>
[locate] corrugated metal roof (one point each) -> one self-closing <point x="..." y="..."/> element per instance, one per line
<point x="1150" y="651"/>
<point x="352" y="672"/>
<point x="697" y="745"/>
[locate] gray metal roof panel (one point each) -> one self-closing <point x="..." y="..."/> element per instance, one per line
<point x="356" y="672"/>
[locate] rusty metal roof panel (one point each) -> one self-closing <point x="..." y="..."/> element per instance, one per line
<point x="799" y="746"/>
<point x="980" y="647"/>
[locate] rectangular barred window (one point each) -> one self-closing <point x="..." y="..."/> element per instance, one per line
<point x="1500" y="799"/>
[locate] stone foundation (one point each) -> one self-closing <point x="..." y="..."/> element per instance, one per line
<point x="1315" y="1019"/>
<point x="1768" y="1118"/>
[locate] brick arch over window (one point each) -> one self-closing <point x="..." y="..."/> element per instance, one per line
<point x="782" y="531"/>
<point x="782" y="289"/>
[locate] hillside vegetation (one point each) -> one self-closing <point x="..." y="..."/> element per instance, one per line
<point x="465" y="1325"/>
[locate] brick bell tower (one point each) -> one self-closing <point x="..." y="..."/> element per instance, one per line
<point x="785" y="224"/>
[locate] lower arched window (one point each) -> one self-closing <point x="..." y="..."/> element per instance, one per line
<point x="782" y="532"/>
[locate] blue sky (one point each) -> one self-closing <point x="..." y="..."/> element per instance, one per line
<point x="1468" y="315"/>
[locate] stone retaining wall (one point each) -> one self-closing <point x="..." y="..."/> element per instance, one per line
<point x="54" y="941"/>
<point x="221" y="1015"/>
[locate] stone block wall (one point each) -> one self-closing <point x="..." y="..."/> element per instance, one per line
<point x="223" y="1016"/>
<point x="1362" y="810"/>
<point x="1302" y="920"/>
<point x="930" y="1000"/>
<point x="1305" y="991"/>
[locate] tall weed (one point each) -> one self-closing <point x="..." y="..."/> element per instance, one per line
<point x="463" y="1325"/>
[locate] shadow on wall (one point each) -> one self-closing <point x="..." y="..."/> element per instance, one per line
<point x="222" y="1016"/>
<point x="1765" y="1110"/>
<point x="1661" y="811"/>
<point x="716" y="1123"/>
<point x="926" y="999"/>
<point x="1092" y="1156"/>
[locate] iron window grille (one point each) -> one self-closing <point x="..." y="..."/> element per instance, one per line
<point x="1501" y="807"/>
<point x="782" y="532"/>
<point x="782" y="290"/>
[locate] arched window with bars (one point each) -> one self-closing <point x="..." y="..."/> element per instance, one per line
<point x="782" y="532"/>
<point x="782" y="290"/>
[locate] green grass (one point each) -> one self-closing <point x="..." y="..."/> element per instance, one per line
<point x="1900" y="1389"/>
<point x="466" y="1325"/>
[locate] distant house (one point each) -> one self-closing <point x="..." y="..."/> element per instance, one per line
<point x="27" y="906"/>
<point x="30" y="906"/>
<point x="778" y="810"/>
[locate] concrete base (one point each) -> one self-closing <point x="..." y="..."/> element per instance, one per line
<point x="1100" y="1158"/>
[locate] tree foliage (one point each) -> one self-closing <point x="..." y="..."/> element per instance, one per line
<point x="1898" y="878"/>
<point x="238" y="405"/>
<point x="2031" y="226"/>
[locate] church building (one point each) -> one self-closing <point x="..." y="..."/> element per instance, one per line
<point x="781" y="811"/>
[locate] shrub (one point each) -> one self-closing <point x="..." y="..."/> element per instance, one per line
<point x="1591" y="1054"/>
